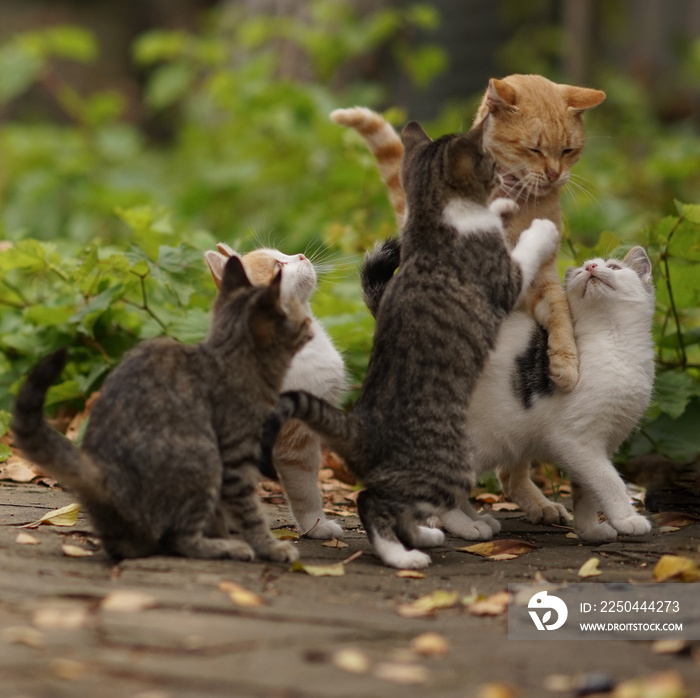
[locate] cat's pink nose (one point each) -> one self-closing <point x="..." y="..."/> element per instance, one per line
<point x="552" y="174"/>
<point x="591" y="266"/>
<point x="301" y="257"/>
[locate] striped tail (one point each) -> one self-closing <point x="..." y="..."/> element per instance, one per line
<point x="338" y="429"/>
<point x="386" y="146"/>
<point x="378" y="269"/>
<point x="40" y="442"/>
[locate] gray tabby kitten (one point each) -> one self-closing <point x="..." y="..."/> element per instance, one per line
<point x="173" y="441"/>
<point x="406" y="439"/>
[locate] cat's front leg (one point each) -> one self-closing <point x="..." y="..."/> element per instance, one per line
<point x="537" y="246"/>
<point x="602" y="489"/>
<point x="239" y="495"/>
<point x="297" y="459"/>
<point x="465" y="522"/>
<point x="548" y="304"/>
<point x="519" y="488"/>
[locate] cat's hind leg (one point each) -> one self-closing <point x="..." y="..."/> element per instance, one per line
<point x="297" y="458"/>
<point x="465" y="522"/>
<point x="586" y="523"/>
<point x="519" y="488"/>
<point x="239" y="495"/>
<point x="380" y="519"/>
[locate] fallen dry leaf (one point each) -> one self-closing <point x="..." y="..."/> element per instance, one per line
<point x="401" y="673"/>
<point x="352" y="660"/>
<point x="505" y="506"/>
<point x="493" y="605"/>
<point x="76" y="551"/>
<point x="24" y="538"/>
<point x="676" y="567"/>
<point x="571" y="534"/>
<point x="428" y="604"/>
<point x="336" y="569"/>
<point x="487" y="497"/>
<point x="334" y="543"/>
<point x="410" y="574"/>
<point x="67" y="669"/>
<point x="667" y="684"/>
<point x="496" y="690"/>
<point x="671" y="521"/>
<point x="127" y="601"/>
<point x="284" y="534"/>
<point x="669" y="646"/>
<point x="430" y="645"/>
<point x="23" y="635"/>
<point x="502" y="549"/>
<point x="590" y="568"/>
<point x="240" y="595"/>
<point x="65" y="516"/>
<point x="17" y="470"/>
<point x="69" y="617"/>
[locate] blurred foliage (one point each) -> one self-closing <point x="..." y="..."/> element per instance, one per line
<point x="107" y="229"/>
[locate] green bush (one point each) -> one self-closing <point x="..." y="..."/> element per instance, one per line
<point x="108" y="228"/>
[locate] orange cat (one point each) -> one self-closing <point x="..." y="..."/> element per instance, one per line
<point x="535" y="132"/>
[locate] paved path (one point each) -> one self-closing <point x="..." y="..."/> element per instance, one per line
<point x="189" y="639"/>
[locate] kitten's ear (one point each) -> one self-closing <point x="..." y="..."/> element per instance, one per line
<point x="225" y="249"/>
<point x="500" y="96"/>
<point x="413" y="135"/>
<point x="638" y="260"/>
<point x="579" y="99"/>
<point x="234" y="276"/>
<point x="216" y="263"/>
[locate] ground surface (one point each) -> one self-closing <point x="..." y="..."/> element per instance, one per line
<point x="188" y="638"/>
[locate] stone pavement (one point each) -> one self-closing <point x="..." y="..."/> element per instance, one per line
<point x="187" y="637"/>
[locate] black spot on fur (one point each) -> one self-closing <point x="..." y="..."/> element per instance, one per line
<point x="531" y="376"/>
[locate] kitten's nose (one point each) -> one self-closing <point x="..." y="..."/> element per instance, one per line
<point x="552" y="174"/>
<point x="591" y="266"/>
<point x="301" y="258"/>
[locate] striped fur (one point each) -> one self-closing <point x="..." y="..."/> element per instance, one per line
<point x="172" y="446"/>
<point x="406" y="439"/>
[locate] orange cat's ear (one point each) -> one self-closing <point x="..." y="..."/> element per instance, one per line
<point x="225" y="249"/>
<point x="500" y="96"/>
<point x="578" y="99"/>
<point x="233" y="276"/>
<point x="413" y="135"/>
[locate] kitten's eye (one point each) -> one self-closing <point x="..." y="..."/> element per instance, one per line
<point x="567" y="151"/>
<point x="535" y="151"/>
<point x="614" y="266"/>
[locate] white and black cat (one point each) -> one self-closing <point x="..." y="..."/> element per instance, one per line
<point x="516" y="414"/>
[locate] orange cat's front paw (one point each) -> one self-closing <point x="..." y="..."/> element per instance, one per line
<point x="563" y="370"/>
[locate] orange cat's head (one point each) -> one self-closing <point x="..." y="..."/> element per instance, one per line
<point x="534" y="129"/>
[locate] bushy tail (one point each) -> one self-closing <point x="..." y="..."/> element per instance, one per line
<point x="338" y="429"/>
<point x="40" y="442"/>
<point x="377" y="270"/>
<point x="386" y="146"/>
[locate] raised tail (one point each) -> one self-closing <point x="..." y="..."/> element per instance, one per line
<point x="40" y="442"/>
<point x="338" y="429"/>
<point x="386" y="146"/>
<point x="377" y="270"/>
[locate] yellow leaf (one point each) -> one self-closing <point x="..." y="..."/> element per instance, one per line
<point x="352" y="660"/>
<point x="17" y="470"/>
<point x="493" y="605"/>
<point x="670" y="521"/>
<point x="240" y="595"/>
<point x="667" y="684"/>
<point x="284" y="534"/>
<point x="127" y="601"/>
<point x="335" y="570"/>
<point x="67" y="669"/>
<point x="334" y="543"/>
<point x="430" y="645"/>
<point x="505" y="506"/>
<point x="23" y="635"/>
<point x="669" y="645"/>
<point x="401" y="673"/>
<point x="502" y="549"/>
<point x="676" y="567"/>
<point x="65" y="516"/>
<point x="590" y="568"/>
<point x="496" y="690"/>
<point x="428" y="604"/>
<point x="76" y="551"/>
<point x="24" y="538"/>
<point x="410" y="574"/>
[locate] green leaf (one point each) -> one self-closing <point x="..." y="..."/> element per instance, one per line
<point x="19" y="70"/>
<point x="679" y="439"/>
<point x="5" y="421"/>
<point x="49" y="316"/>
<point x="168" y="84"/>
<point x="63" y="392"/>
<point x="672" y="392"/>
<point x="691" y="212"/>
<point x="5" y="452"/>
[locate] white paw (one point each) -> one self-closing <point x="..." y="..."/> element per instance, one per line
<point x="504" y="208"/>
<point x="393" y="554"/>
<point x="473" y="530"/>
<point x="598" y="533"/>
<point x="633" y="525"/>
<point x="428" y="537"/>
<point x="325" y="530"/>
<point x="491" y="522"/>
<point x="280" y="551"/>
<point x="549" y="513"/>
